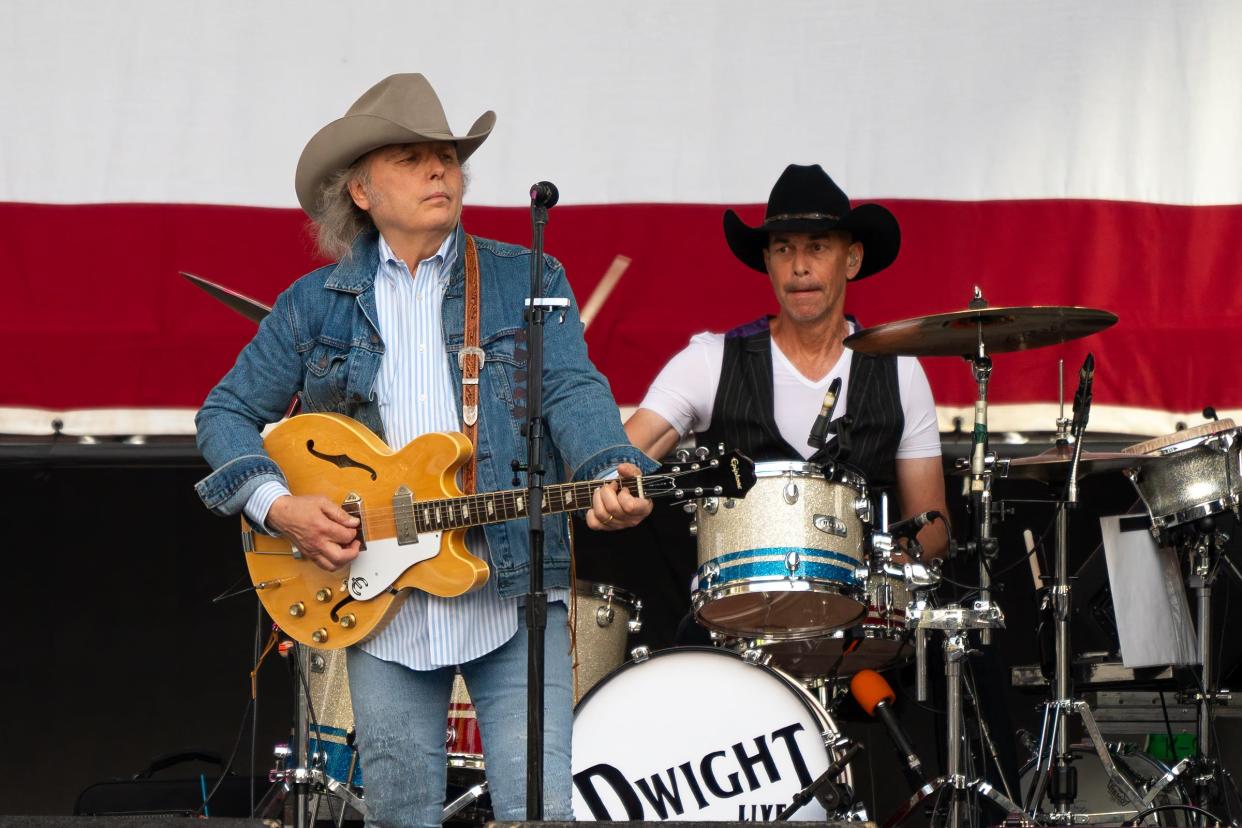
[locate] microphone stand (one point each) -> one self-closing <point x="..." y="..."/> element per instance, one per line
<point x="543" y="197"/>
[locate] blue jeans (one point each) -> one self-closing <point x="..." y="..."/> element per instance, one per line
<point x="401" y="716"/>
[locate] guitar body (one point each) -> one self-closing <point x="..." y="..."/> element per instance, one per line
<point x="341" y="459"/>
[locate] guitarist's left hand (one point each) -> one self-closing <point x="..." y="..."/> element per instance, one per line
<point x="613" y="507"/>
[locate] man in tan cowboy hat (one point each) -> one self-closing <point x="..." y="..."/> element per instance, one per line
<point x="382" y="337"/>
<point x="760" y="387"/>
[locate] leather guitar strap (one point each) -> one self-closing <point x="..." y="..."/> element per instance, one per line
<point x="470" y="361"/>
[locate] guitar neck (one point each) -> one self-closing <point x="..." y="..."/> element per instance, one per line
<point x="497" y="507"/>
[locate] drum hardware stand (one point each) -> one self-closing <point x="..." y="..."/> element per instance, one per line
<point x="473" y="795"/>
<point x="956" y="623"/>
<point x="1203" y="543"/>
<point x="831" y="795"/>
<point x="982" y="464"/>
<point x="307" y="779"/>
<point x="1054" y="758"/>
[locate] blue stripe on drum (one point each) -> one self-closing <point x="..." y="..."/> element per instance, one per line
<point x="735" y="566"/>
<point x="330" y="741"/>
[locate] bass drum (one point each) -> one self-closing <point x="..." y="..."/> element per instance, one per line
<point x="695" y="733"/>
<point x="1099" y="799"/>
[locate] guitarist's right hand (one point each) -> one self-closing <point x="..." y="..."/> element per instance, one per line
<point x="321" y="530"/>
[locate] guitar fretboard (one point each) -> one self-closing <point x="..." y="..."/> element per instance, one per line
<point x="495" y="507"/>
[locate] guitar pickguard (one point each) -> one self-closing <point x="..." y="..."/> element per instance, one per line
<point x="383" y="561"/>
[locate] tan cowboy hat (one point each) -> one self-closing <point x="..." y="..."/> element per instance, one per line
<point x="400" y="109"/>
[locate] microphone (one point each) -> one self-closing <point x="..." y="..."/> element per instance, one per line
<point x="819" y="431"/>
<point x="875" y="696"/>
<point x="544" y="194"/>
<point x="1082" y="397"/>
<point x="909" y="528"/>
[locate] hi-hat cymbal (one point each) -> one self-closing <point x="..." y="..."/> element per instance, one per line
<point x="1052" y="466"/>
<point x="1002" y="330"/>
<point x="252" y="309"/>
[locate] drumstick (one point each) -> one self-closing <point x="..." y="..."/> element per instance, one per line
<point x="1036" y="575"/>
<point x="602" y="291"/>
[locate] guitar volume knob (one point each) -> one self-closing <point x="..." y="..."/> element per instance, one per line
<point x="323" y="595"/>
<point x="297" y="610"/>
<point x="348" y="621"/>
<point x="319" y="636"/>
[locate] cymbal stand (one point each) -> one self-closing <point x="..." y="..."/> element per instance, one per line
<point x="1203" y="544"/>
<point x="982" y="463"/>
<point x="1054" y="759"/>
<point x="956" y="623"/>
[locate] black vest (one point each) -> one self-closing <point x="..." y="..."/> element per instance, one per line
<point x="742" y="414"/>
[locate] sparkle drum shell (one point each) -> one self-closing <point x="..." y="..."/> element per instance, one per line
<point x="1197" y="474"/>
<point x="780" y="563"/>
<point x="695" y="733"/>
<point x="604" y="618"/>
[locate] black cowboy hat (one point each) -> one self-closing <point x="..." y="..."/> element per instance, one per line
<point x="807" y="200"/>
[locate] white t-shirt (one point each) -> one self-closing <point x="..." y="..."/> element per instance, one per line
<point x="685" y="391"/>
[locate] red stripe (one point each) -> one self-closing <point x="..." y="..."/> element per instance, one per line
<point x="97" y="316"/>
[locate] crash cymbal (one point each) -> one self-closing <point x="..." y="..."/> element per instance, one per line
<point x="1052" y="466"/>
<point x="252" y="309"/>
<point x="1002" y="329"/>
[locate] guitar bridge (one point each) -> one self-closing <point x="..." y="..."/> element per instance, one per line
<point x="353" y="505"/>
<point x="403" y="516"/>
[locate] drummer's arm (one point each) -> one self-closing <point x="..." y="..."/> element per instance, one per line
<point x="652" y="434"/>
<point x="920" y="485"/>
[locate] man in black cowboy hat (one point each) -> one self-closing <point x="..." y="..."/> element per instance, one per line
<point x="414" y="330"/>
<point x="760" y="387"/>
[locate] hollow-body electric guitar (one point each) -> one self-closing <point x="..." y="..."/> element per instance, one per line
<point x="413" y="521"/>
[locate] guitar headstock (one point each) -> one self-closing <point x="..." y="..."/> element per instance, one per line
<point x="703" y="473"/>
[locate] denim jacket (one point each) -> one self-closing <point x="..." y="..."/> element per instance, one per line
<point x="321" y="342"/>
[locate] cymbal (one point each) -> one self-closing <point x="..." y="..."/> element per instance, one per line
<point x="252" y="309"/>
<point x="1053" y="464"/>
<point x="1002" y="329"/>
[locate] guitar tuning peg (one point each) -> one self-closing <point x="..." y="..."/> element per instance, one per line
<point x="720" y="449"/>
<point x="701" y="452"/>
<point x="689" y="507"/>
<point x="682" y="455"/>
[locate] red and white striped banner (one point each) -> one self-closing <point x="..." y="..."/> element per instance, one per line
<point x="1052" y="153"/>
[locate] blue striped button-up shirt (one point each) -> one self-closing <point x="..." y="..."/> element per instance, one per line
<point x="416" y="395"/>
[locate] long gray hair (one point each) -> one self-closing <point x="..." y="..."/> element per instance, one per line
<point x="339" y="220"/>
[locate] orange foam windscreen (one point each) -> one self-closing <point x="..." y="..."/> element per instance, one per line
<point x="869" y="689"/>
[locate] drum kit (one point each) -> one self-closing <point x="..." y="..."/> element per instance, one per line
<point x="805" y="582"/>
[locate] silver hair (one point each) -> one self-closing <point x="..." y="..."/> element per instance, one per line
<point x="339" y="221"/>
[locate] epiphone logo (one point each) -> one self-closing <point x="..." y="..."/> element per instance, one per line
<point x="699" y="782"/>
<point x="737" y="474"/>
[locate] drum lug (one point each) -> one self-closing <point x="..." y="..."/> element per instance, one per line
<point x="640" y="654"/>
<point x="792" y="561"/>
<point x="756" y="655"/>
<point x="862" y="507"/>
<point x="729" y="503"/>
<point x="604" y="616"/>
<point x="790" y="493"/>
<point x="317" y="663"/>
<point x="635" y="624"/>
<point x="711" y="505"/>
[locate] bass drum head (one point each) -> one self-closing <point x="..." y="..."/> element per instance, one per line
<point x="696" y="734"/>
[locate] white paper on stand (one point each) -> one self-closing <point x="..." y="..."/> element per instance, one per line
<point x="1149" y="599"/>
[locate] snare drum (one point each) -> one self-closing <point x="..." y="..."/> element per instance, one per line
<point x="878" y="643"/>
<point x="780" y="563"/>
<point x="1197" y="474"/>
<point x="696" y="734"/>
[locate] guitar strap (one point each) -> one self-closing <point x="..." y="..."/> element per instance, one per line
<point x="470" y="361"/>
